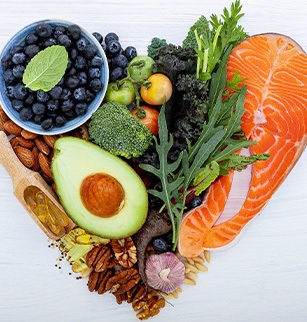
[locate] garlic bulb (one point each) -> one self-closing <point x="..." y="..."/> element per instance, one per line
<point x="164" y="272"/>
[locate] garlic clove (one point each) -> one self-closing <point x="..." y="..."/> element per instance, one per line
<point x="164" y="272"/>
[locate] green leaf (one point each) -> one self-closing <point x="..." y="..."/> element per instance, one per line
<point x="207" y="176"/>
<point x="46" y="68"/>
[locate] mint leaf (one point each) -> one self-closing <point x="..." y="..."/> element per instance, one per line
<point x="46" y="68"/>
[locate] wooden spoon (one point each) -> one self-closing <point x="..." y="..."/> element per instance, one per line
<point x="27" y="185"/>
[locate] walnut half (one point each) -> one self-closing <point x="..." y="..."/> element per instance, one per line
<point x="124" y="251"/>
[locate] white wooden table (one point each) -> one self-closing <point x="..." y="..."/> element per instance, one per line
<point x="263" y="278"/>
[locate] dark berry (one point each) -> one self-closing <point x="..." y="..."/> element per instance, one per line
<point x="90" y="51"/>
<point x="19" y="58"/>
<point x="47" y="123"/>
<point x="81" y="44"/>
<point x="130" y="52"/>
<point x="110" y="36"/>
<point x="20" y="92"/>
<point x="96" y="61"/>
<point x="17" y="105"/>
<point x="72" y="71"/>
<point x="42" y="96"/>
<point x="9" y="91"/>
<point x="69" y="115"/>
<point x="64" y="40"/>
<point x="82" y="76"/>
<point x="8" y="76"/>
<point x="80" y="62"/>
<point x="79" y="94"/>
<point x="52" y="105"/>
<point x="31" y="50"/>
<point x="73" y="53"/>
<point x="67" y="105"/>
<point x="43" y="30"/>
<point x="74" y="31"/>
<point x="98" y="36"/>
<point x="50" y="42"/>
<point x="104" y="47"/>
<point x="18" y="71"/>
<point x="94" y="72"/>
<point x="120" y="61"/>
<point x="55" y="92"/>
<point x="160" y="244"/>
<point x="16" y="49"/>
<point x="26" y="114"/>
<point x="195" y="202"/>
<point x="113" y="47"/>
<point x="38" y="119"/>
<point x="66" y="93"/>
<point x="6" y="61"/>
<point x="31" y="38"/>
<point x="38" y="108"/>
<point x="72" y="82"/>
<point x="96" y="84"/>
<point x="80" y="108"/>
<point x="89" y="96"/>
<point x="60" y="120"/>
<point x="30" y="99"/>
<point x="116" y="74"/>
<point x="58" y="31"/>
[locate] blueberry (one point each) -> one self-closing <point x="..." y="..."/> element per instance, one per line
<point x="38" y="108"/>
<point x="55" y="92"/>
<point x="69" y="115"/>
<point x="26" y="114"/>
<point x="80" y="62"/>
<point x="67" y="105"/>
<point x="47" y="123"/>
<point x="72" y="71"/>
<point x="72" y="82"/>
<point x="20" y="92"/>
<point x="58" y="31"/>
<point x="31" y="38"/>
<point x="116" y="74"/>
<point x="195" y="202"/>
<point x="94" y="72"/>
<point x="30" y="99"/>
<point x="96" y="61"/>
<point x="18" y="71"/>
<point x="73" y="53"/>
<point x="74" y="31"/>
<point x="50" y="42"/>
<point x="130" y="52"/>
<point x="80" y="108"/>
<point x="104" y="47"/>
<point x="9" y="91"/>
<point x="52" y="105"/>
<point x="38" y="119"/>
<point x="82" y="76"/>
<point x="19" y="58"/>
<point x="160" y="244"/>
<point x="43" y="30"/>
<point x="66" y="93"/>
<point x="120" y="61"/>
<point x="6" y="61"/>
<point x="110" y="36"/>
<point x="79" y="94"/>
<point x="42" y="96"/>
<point x="98" y="36"/>
<point x="81" y="44"/>
<point x="8" y="76"/>
<point x="16" y="49"/>
<point x="89" y="96"/>
<point x="113" y="47"/>
<point x="31" y="50"/>
<point x="96" y="84"/>
<point x="64" y="40"/>
<point x="60" y="120"/>
<point x="17" y="105"/>
<point x="90" y="51"/>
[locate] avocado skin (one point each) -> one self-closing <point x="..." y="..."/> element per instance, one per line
<point x="75" y="159"/>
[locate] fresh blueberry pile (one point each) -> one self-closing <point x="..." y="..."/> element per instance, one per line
<point x="118" y="57"/>
<point x="77" y="88"/>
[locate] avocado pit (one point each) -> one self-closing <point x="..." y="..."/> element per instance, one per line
<point x="102" y="195"/>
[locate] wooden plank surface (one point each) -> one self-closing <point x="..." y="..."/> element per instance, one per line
<point x="262" y="278"/>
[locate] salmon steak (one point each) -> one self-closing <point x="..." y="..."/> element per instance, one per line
<point x="274" y="69"/>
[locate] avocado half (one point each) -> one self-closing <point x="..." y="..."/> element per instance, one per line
<point x="99" y="191"/>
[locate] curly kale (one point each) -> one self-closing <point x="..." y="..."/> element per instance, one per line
<point x="154" y="47"/>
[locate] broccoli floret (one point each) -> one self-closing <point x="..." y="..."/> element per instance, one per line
<point x="154" y="47"/>
<point x="115" y="129"/>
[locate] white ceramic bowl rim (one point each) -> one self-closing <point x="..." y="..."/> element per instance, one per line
<point x="70" y="124"/>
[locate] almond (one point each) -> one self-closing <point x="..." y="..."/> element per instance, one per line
<point x="44" y="164"/>
<point x="14" y="142"/>
<point x="25" y="156"/>
<point x="50" y="140"/>
<point x="12" y="128"/>
<point x="25" y="143"/>
<point x="42" y="145"/>
<point x="36" y="166"/>
<point x="3" y="119"/>
<point x="28" y="135"/>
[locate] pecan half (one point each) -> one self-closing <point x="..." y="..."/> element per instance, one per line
<point x="124" y="251"/>
<point x="97" y="280"/>
<point x="100" y="258"/>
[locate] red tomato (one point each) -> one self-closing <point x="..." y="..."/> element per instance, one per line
<point x="150" y="119"/>
<point x="160" y="89"/>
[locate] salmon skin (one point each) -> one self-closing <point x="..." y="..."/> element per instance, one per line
<point x="275" y="71"/>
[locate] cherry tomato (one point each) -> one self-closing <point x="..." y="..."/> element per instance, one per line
<point x="160" y="88"/>
<point x="150" y="118"/>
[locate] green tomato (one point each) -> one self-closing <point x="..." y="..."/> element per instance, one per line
<point x="140" y="67"/>
<point x="120" y="92"/>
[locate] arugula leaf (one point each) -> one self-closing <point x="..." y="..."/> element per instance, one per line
<point x="46" y="68"/>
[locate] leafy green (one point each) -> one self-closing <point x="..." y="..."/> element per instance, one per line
<point x="46" y="68"/>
